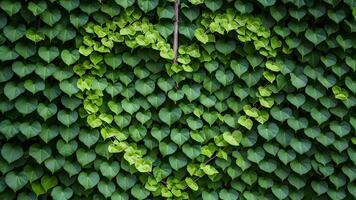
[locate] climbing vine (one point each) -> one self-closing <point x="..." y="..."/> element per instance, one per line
<point x="104" y="99"/>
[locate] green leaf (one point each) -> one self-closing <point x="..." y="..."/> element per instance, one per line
<point x="35" y="35"/>
<point x="192" y="92"/>
<point x="25" y="50"/>
<point x="191" y="13"/>
<point x="120" y="196"/>
<point x="233" y="138"/>
<point x="40" y="154"/>
<point x="14" y="33"/>
<point x="351" y="187"/>
<point x="300" y="167"/>
<point x="213" y="5"/>
<point x="51" y="16"/>
<point x="72" y="168"/>
<point x="107" y="189"/>
<point x="125" y="3"/>
<point x="224" y="77"/>
<point x="225" y="46"/>
<point x="281" y="114"/>
<point x="34" y="86"/>
<point x="165" y="29"/>
<point x="210" y="195"/>
<point x="316" y="36"/>
<point x="48" y="134"/>
<point x="268" y="131"/>
<point x="297" y="124"/>
<point x="48" y="54"/>
<point x="109" y="170"/>
<point x="267" y="3"/>
<point x="26" y="105"/>
<point x="179" y="136"/>
<point x="299" y="81"/>
<point x="16" y="181"/>
<point x="10" y="7"/>
<point x="37" y="8"/>
<point x="85" y="157"/>
<point x="37" y="188"/>
<point x="147" y="5"/>
<point x="7" y="54"/>
<point x="126" y="181"/>
<point x="296" y="99"/>
<point x="301" y="145"/>
<point x="256" y="155"/>
<point x="139" y="192"/>
<point x="341" y="129"/>
<point x="12" y="91"/>
<point x="170" y="116"/>
<point x="69" y="5"/>
<point x="6" y="74"/>
<point x="246" y="122"/>
<point x="70" y="57"/>
<point x="286" y="156"/>
<point x="67" y="117"/>
<point x="88" y="180"/>
<point x="229" y="194"/>
<point x="191" y="184"/>
<point x="89" y="138"/>
<point x="67" y="34"/>
<point x="167" y="148"/>
<point x="69" y="86"/>
<point x="9" y="129"/>
<point x="60" y="193"/>
<point x="320" y="116"/>
<point x="187" y="30"/>
<point x="11" y="152"/>
<point x="130" y="107"/>
<point x="160" y="133"/>
<point x="280" y="191"/>
<point x="239" y="67"/>
<point x="48" y="182"/>
<point x="209" y="169"/>
<point x="78" y="20"/>
<point x="66" y="149"/>
<point x="165" y="12"/>
<point x="320" y="187"/>
<point x="111" y="9"/>
<point x="340" y="93"/>
<point x="113" y="60"/>
<point x="192" y="151"/>
<point x="145" y="87"/>
<point x="194" y="123"/>
<point x="55" y="163"/>
<point x="177" y="161"/>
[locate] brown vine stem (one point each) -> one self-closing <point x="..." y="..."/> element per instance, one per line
<point x="176" y="27"/>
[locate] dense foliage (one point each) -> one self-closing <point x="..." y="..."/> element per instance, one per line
<point x="261" y="104"/>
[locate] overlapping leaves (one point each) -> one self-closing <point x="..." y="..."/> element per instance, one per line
<point x="259" y="106"/>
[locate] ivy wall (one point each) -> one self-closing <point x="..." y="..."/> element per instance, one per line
<point x="260" y="104"/>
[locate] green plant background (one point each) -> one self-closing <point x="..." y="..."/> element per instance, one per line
<point x="260" y="106"/>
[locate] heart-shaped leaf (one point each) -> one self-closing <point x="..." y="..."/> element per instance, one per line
<point x="170" y="116"/>
<point x="11" y="152"/>
<point x="40" y="154"/>
<point x="70" y="57"/>
<point x="16" y="181"/>
<point x="48" y="54"/>
<point x="61" y="193"/>
<point x="88" y="180"/>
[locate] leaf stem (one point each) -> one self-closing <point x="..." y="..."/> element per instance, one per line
<point x="176" y="27"/>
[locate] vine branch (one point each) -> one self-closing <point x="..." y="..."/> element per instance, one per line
<point x="176" y="27"/>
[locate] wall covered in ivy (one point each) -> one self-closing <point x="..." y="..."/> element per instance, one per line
<point x="259" y="105"/>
